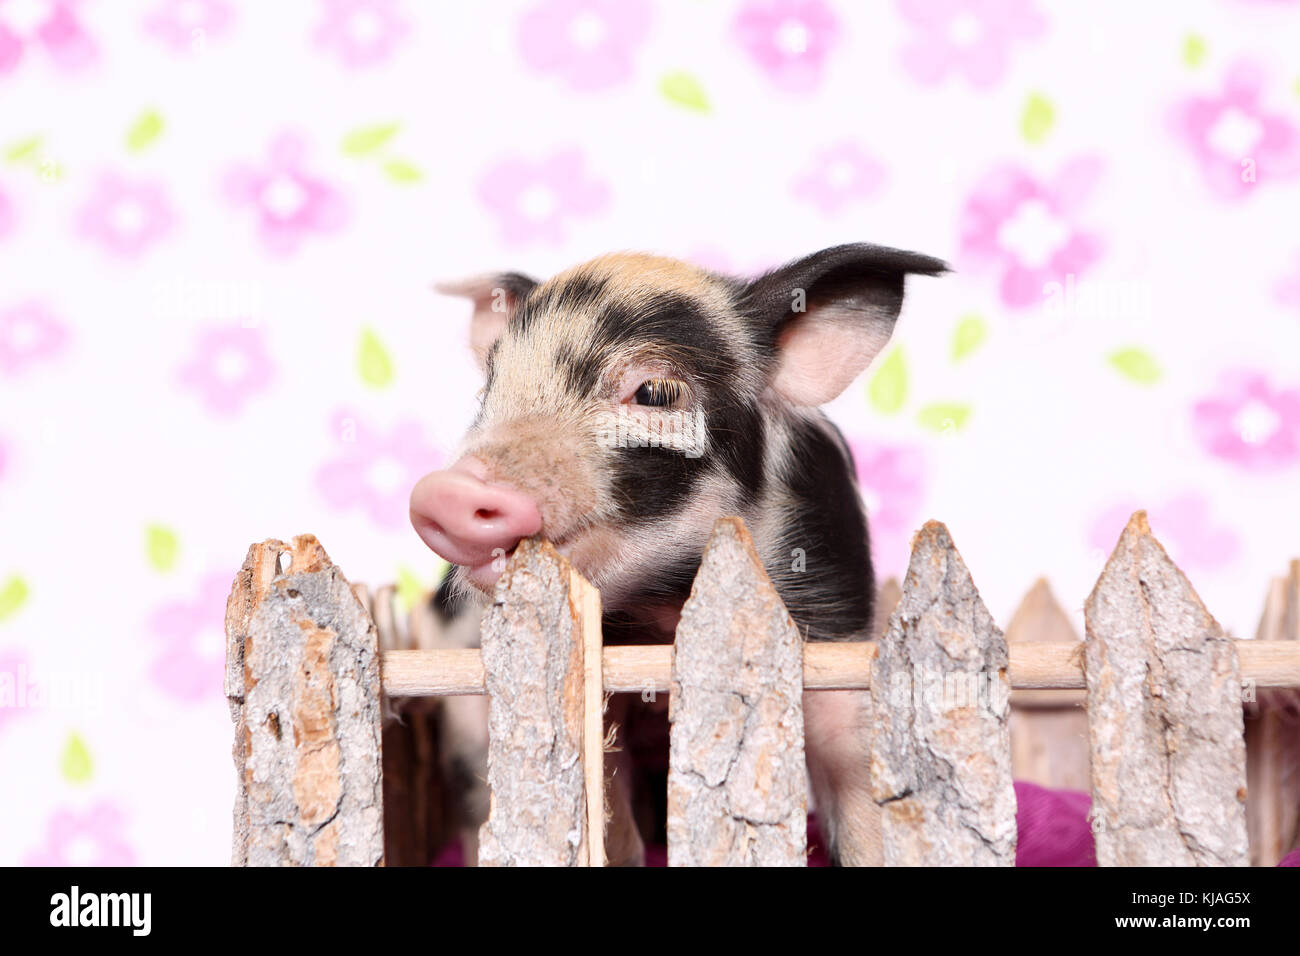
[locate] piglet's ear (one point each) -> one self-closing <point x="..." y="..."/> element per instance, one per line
<point x="829" y="314"/>
<point x="495" y="297"/>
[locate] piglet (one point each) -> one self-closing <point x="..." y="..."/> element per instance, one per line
<point x="629" y="403"/>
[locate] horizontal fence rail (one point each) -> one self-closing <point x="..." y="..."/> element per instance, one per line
<point x="444" y="672"/>
<point x="1188" y="739"/>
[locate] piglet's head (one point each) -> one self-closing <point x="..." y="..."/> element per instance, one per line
<point x="632" y="400"/>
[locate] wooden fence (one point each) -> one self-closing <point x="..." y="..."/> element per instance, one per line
<point x="1160" y="713"/>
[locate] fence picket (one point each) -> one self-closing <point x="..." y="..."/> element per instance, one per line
<point x="1163" y="684"/>
<point x="302" y="677"/>
<point x="1164" y="715"/>
<point x="534" y="641"/>
<point x="737" y="787"/>
<point x="941" y="753"/>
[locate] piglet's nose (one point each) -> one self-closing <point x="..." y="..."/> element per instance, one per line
<point x="468" y="520"/>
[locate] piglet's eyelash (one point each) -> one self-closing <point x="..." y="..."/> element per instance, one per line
<point x="659" y="392"/>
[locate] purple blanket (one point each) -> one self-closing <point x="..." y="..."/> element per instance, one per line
<point x="1053" y="829"/>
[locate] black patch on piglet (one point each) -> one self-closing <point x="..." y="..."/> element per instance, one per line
<point x="650" y="483"/>
<point x="831" y="598"/>
<point x="737" y="439"/>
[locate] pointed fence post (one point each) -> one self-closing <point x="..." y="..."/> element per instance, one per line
<point x="1164" y="715"/>
<point x="541" y="644"/>
<point x="302" y="678"/>
<point x="737" y="783"/>
<point x="941" y="754"/>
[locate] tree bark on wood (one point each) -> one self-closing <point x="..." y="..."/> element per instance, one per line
<point x="302" y="679"/>
<point x="1049" y="728"/>
<point x="534" y="641"/>
<point x="1273" y="738"/>
<point x="737" y="783"/>
<point x="1164" y="711"/>
<point x="941" y="762"/>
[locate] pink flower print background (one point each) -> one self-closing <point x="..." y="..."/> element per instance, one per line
<point x="1288" y="287"/>
<point x="1185" y="524"/>
<point x="374" y="470"/>
<point x="1236" y="127"/>
<point x="1029" y="232"/>
<point x="1250" y="422"/>
<point x="14" y="667"/>
<point x="361" y="33"/>
<point x="892" y="480"/>
<point x="249" y="281"/>
<point x="720" y="261"/>
<point x="290" y="203"/>
<point x="590" y="44"/>
<point x="51" y="30"/>
<point x="229" y="366"/>
<point x="973" y="38"/>
<point x="125" y="215"/>
<point x="188" y="25"/>
<point x="8" y="214"/>
<point x="30" y="335"/>
<point x="840" y="175"/>
<point x="91" y="837"/>
<point x="789" y="40"/>
<point x="535" y="201"/>
<point x="189" y="649"/>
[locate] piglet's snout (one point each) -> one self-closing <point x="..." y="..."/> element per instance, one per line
<point x="468" y="519"/>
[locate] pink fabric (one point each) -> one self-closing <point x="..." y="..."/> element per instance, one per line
<point x="1053" y="827"/>
<point x="450" y="855"/>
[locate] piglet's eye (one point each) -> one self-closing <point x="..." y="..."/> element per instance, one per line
<point x="659" y="392"/>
